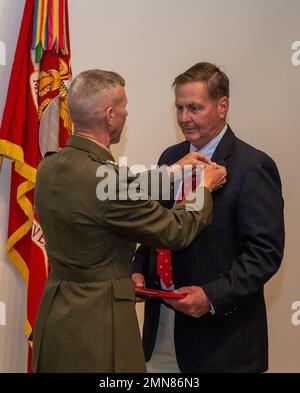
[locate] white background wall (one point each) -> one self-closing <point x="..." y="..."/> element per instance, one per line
<point x="149" y="42"/>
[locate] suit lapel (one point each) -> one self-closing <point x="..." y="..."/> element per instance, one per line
<point x="224" y="148"/>
<point x="183" y="150"/>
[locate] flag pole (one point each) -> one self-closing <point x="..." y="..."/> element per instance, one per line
<point x="40" y="74"/>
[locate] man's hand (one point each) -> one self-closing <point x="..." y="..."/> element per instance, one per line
<point x="138" y="281"/>
<point x="192" y="159"/>
<point x="194" y="304"/>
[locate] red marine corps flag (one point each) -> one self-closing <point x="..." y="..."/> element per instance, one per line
<point x="35" y="120"/>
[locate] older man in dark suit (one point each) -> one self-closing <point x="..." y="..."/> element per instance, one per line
<point x="221" y="325"/>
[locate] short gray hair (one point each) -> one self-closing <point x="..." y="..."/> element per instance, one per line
<point x="88" y="91"/>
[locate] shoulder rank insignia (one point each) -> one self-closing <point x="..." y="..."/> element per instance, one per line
<point x="114" y="163"/>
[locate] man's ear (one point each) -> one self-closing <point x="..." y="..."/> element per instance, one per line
<point x="109" y="115"/>
<point x="223" y="106"/>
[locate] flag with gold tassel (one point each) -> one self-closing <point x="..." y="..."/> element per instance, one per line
<point x="35" y="120"/>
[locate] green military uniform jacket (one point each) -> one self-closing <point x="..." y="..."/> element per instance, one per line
<point x="86" y="320"/>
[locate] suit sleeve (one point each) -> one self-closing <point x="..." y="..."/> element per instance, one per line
<point x="260" y="228"/>
<point x="141" y="259"/>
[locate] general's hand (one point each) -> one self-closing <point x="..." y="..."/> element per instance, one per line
<point x="138" y="281"/>
<point x="193" y="159"/>
<point x="194" y="304"/>
<point x="214" y="176"/>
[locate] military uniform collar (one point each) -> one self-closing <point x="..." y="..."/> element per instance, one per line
<point x="89" y="146"/>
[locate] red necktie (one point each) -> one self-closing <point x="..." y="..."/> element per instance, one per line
<point x="164" y="257"/>
<point x="164" y="267"/>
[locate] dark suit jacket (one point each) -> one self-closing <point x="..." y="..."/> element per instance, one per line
<point x="232" y="260"/>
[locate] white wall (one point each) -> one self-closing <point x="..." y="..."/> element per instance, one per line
<point x="149" y="42"/>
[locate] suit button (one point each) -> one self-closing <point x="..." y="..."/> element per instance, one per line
<point x="156" y="282"/>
